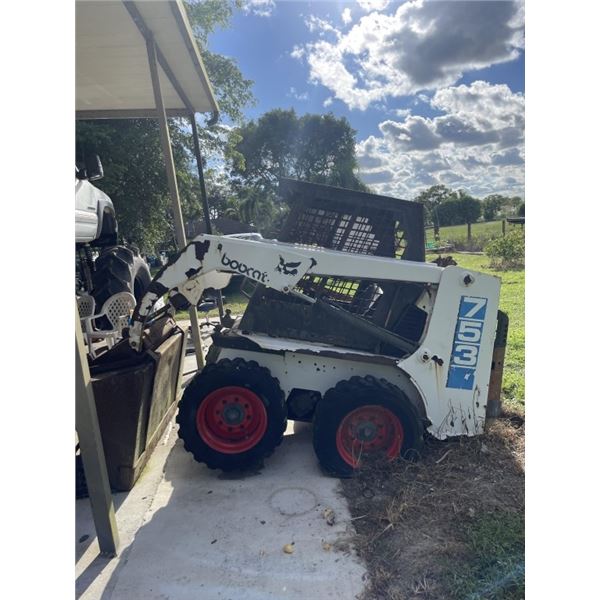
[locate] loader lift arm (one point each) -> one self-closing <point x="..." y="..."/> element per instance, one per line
<point x="209" y="261"/>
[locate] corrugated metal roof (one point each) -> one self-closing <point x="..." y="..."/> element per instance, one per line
<point x="112" y="72"/>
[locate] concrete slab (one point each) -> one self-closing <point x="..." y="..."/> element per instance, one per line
<point x="207" y="536"/>
<point x="188" y="532"/>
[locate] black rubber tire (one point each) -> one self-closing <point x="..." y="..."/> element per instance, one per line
<point x="113" y="274"/>
<point x="117" y="269"/>
<point x="349" y="395"/>
<point x="224" y="373"/>
<point x="141" y="277"/>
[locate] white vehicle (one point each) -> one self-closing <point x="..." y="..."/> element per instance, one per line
<point x="117" y="268"/>
<point x="379" y="400"/>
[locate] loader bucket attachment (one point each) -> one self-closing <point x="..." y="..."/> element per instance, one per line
<point x="136" y="395"/>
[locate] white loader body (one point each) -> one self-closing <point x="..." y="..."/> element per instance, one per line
<point x="447" y="376"/>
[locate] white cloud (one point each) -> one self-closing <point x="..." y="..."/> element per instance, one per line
<point x="316" y="24"/>
<point x="477" y="144"/>
<point x="260" y="8"/>
<point x="421" y="46"/>
<point x="293" y="93"/>
<point x="370" y="5"/>
<point x="297" y="52"/>
<point x="347" y="16"/>
<point x="482" y="104"/>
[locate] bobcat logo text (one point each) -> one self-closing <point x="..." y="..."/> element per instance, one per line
<point x="243" y="268"/>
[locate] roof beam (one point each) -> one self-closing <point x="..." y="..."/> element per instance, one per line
<point x="187" y="35"/>
<point x="149" y="113"/>
<point x="147" y="34"/>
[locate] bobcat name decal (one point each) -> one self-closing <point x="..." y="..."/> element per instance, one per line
<point x="243" y="268"/>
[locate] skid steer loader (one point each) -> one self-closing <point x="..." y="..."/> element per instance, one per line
<point x="373" y="350"/>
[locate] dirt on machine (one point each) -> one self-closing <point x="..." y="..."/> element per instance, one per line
<point x="347" y="327"/>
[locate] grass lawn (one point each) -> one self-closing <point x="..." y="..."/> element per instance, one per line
<point x="481" y="233"/>
<point x="236" y="302"/>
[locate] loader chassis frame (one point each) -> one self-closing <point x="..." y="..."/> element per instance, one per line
<point x="422" y="371"/>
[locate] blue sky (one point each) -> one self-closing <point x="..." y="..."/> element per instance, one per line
<point x="434" y="90"/>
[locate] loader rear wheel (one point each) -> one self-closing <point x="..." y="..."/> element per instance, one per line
<point x="232" y="415"/>
<point x="119" y="270"/>
<point x="364" y="416"/>
<point x="113" y="274"/>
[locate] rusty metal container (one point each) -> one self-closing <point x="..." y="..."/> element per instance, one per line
<point x="136" y="396"/>
<point x="494" y="402"/>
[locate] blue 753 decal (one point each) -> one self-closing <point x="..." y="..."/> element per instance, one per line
<point x="467" y="340"/>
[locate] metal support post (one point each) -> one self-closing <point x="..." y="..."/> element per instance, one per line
<point x="204" y="197"/>
<point x="165" y="141"/>
<point x="92" y="450"/>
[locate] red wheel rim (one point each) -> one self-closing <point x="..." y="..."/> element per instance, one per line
<point x="231" y="419"/>
<point x="366" y="430"/>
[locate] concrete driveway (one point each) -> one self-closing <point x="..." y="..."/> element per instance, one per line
<point x="191" y="533"/>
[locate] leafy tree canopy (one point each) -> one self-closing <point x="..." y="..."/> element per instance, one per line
<point x="316" y="148"/>
<point x="431" y="198"/>
<point x="497" y="205"/>
<point x="459" y="208"/>
<point x="469" y="208"/>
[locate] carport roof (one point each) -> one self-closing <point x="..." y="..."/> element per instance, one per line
<point x="112" y="73"/>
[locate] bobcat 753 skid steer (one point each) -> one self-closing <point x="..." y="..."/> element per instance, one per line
<point x="400" y="347"/>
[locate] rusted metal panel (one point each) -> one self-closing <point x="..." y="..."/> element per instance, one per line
<point x="123" y="399"/>
<point x="136" y="394"/>
<point x="494" y="401"/>
<point x="167" y="360"/>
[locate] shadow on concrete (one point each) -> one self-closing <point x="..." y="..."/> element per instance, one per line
<point x="211" y="535"/>
<point x="84" y="513"/>
<point x="85" y="540"/>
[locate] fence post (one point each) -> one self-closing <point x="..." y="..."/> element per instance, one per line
<point x="503" y="227"/>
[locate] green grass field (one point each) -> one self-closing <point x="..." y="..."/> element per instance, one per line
<point x="235" y="301"/>
<point x="481" y="233"/>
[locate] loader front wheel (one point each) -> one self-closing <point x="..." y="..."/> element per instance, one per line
<point x="232" y="415"/>
<point x="360" y="417"/>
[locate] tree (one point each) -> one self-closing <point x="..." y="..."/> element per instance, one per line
<point x="135" y="178"/>
<point x="491" y="205"/>
<point x="131" y="153"/>
<point x="459" y="208"/>
<point x="469" y="209"/>
<point x="317" y="148"/>
<point x="448" y="212"/>
<point x="431" y="199"/>
<point x="496" y="205"/>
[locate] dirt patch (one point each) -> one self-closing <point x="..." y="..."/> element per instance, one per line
<point x="417" y="522"/>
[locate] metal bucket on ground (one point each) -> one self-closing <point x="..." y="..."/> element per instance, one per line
<point x="136" y="395"/>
